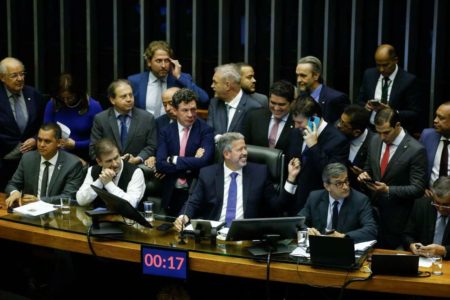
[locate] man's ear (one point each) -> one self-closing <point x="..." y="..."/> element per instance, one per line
<point x="98" y="161"/>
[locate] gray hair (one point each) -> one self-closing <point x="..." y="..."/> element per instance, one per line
<point x="227" y="139"/>
<point x="314" y="61"/>
<point x="229" y="72"/>
<point x="333" y="170"/>
<point x="4" y="62"/>
<point x="441" y="187"/>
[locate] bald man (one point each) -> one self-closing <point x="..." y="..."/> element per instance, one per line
<point x="387" y="85"/>
<point x="170" y="114"/>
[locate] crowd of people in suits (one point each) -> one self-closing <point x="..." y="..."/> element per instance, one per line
<point x="354" y="168"/>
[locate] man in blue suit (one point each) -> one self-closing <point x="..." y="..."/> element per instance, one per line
<point x="234" y="189"/>
<point x="21" y="113"/>
<point x="402" y="89"/>
<point x="184" y="147"/>
<point x="165" y="72"/>
<point x="331" y="101"/>
<point x="436" y="143"/>
<point x="354" y="217"/>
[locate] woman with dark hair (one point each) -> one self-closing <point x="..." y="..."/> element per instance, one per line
<point x="75" y="109"/>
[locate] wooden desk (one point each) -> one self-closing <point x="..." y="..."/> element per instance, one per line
<point x="224" y="264"/>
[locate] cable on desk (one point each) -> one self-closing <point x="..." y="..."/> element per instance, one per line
<point x="268" y="273"/>
<point x="348" y="282"/>
<point x="89" y="234"/>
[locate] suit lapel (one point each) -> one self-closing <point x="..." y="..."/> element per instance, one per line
<point x="115" y="129"/>
<point x="285" y="132"/>
<point x="34" y="171"/>
<point x="191" y="147"/>
<point x="246" y="181"/>
<point x="56" y="172"/>
<point x="30" y="107"/>
<point x="323" y="210"/>
<point x="143" y="83"/>
<point x="398" y="153"/>
<point x="376" y="170"/>
<point x="220" y="183"/>
<point x="222" y="119"/>
<point x="239" y="113"/>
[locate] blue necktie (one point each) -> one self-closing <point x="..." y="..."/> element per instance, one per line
<point x="335" y="218"/>
<point x="439" y="230"/>
<point x="123" y="130"/>
<point x="20" y="116"/>
<point x="232" y="198"/>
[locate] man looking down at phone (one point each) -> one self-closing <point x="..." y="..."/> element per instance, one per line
<point x="395" y="172"/>
<point x="316" y="144"/>
<point x="427" y="232"/>
<point x="164" y="73"/>
<point x="339" y="210"/>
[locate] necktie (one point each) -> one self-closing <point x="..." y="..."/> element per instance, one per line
<point x="158" y="103"/>
<point x="183" y="143"/>
<point x="384" y="90"/>
<point x="123" y="130"/>
<point x="20" y="115"/>
<point x="44" y="181"/>
<point x="439" y="230"/>
<point x="385" y="159"/>
<point x="274" y="132"/>
<point x="443" y="166"/>
<point x="335" y="217"/>
<point x="228" y="107"/>
<point x="232" y="198"/>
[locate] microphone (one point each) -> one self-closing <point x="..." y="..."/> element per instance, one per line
<point x="182" y="237"/>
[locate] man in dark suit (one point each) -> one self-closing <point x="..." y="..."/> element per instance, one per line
<point x="332" y="102"/>
<point x="234" y="189"/>
<point x="316" y="145"/>
<point x="21" y="113"/>
<point x="396" y="174"/>
<point x="46" y="174"/>
<point x="436" y="143"/>
<point x="391" y="86"/>
<point x="165" y="72"/>
<point x="230" y="104"/>
<point x="132" y="129"/>
<point x="248" y="83"/>
<point x="427" y="232"/>
<point x="184" y="147"/>
<point x="272" y="127"/>
<point x="339" y="208"/>
<point x="170" y="115"/>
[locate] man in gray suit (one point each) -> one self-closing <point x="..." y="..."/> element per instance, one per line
<point x="353" y="219"/>
<point x="230" y="104"/>
<point x="131" y="128"/>
<point x="46" y="174"/>
<point x="396" y="172"/>
<point x="248" y="84"/>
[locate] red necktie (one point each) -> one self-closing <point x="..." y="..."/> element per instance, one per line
<point x="385" y="159"/>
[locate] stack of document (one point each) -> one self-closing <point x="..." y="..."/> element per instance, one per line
<point x="364" y="246"/>
<point x="35" y="208"/>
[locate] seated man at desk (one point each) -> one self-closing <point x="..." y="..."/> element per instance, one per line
<point x="113" y="174"/>
<point x="234" y="189"/>
<point x="427" y="232"/>
<point x="339" y="210"/>
<point x="46" y="174"/>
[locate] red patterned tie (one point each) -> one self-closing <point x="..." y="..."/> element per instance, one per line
<point x="385" y="159"/>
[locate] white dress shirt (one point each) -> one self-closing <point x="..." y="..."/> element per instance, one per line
<point x="356" y="144"/>
<point x="378" y="91"/>
<point x="239" y="197"/>
<point x="394" y="145"/>
<point x="51" y="168"/>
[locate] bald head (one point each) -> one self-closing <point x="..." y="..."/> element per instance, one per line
<point x="386" y="59"/>
<point x="12" y="74"/>
<point x="167" y="101"/>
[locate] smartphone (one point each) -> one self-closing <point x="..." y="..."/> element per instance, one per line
<point x="370" y="180"/>
<point x="375" y="102"/>
<point x="164" y="226"/>
<point x="315" y="120"/>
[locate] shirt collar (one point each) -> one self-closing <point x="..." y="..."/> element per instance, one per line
<point x="52" y="160"/>
<point x="283" y="119"/>
<point x="152" y="78"/>
<point x="331" y="200"/>
<point x="228" y="171"/>
<point x="322" y="126"/>
<point x="360" y="139"/>
<point x="117" y="114"/>
<point x="235" y="101"/>
<point x="392" y="76"/>
<point x="181" y="127"/>
<point x="316" y="93"/>
<point x="399" y="138"/>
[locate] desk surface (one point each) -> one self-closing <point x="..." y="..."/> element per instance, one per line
<point x="226" y="259"/>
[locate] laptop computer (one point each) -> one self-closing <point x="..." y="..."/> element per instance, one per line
<point x="395" y="264"/>
<point x="333" y="252"/>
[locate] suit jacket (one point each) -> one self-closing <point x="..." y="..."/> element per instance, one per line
<point x="360" y="162"/>
<point x="406" y="96"/>
<point x="256" y="129"/>
<point x="261" y="98"/>
<point x="10" y="134"/>
<point x="217" y="114"/>
<point x="421" y="225"/>
<point x="139" y="83"/>
<point x="332" y="146"/>
<point x="161" y="122"/>
<point x="333" y="103"/>
<point x="206" y="200"/>
<point x="406" y="177"/>
<point x="142" y="138"/>
<point x="200" y="136"/>
<point x="66" y="178"/>
<point x="430" y="140"/>
<point x="355" y="216"/>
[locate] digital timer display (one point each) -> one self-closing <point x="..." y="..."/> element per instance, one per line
<point x="164" y="262"/>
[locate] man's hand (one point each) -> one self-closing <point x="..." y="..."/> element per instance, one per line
<point x="106" y="176"/>
<point x="199" y="153"/>
<point x="28" y="199"/>
<point x="414" y="247"/>
<point x="15" y="196"/>
<point x="159" y="175"/>
<point x="176" y="68"/>
<point x="431" y="250"/>
<point x="28" y="145"/>
<point x="294" y="168"/>
<point x="313" y="231"/>
<point x="150" y="162"/>
<point x="310" y="136"/>
<point x="336" y="234"/>
<point x="428" y="193"/>
<point x="135" y="160"/>
<point x="378" y="186"/>
<point x="375" y="107"/>
<point x="68" y="143"/>
<point x="180" y="222"/>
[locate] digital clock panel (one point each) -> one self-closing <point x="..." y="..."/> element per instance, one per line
<point x="164" y="262"/>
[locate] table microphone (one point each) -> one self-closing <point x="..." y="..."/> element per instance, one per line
<point x="182" y="238"/>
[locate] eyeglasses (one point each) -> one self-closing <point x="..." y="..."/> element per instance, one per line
<point x="439" y="206"/>
<point x="340" y="184"/>
<point x="16" y="75"/>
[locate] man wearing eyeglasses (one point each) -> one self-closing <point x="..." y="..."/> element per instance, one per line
<point x="21" y="113"/>
<point x="339" y="210"/>
<point x="427" y="232"/>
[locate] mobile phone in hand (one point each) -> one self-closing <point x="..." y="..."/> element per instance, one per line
<point x="375" y="102"/>
<point x="313" y="120"/>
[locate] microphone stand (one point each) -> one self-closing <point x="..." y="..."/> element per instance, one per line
<point x="182" y="237"/>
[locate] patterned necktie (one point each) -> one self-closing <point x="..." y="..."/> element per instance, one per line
<point x="21" y="120"/>
<point x="158" y="103"/>
<point x="44" y="181"/>
<point x="443" y="165"/>
<point x="123" y="130"/>
<point x="232" y="199"/>
<point x="439" y="230"/>
<point x="274" y="132"/>
<point x="384" y="90"/>
<point x="335" y="217"/>
<point x="385" y="159"/>
<point x="183" y="143"/>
